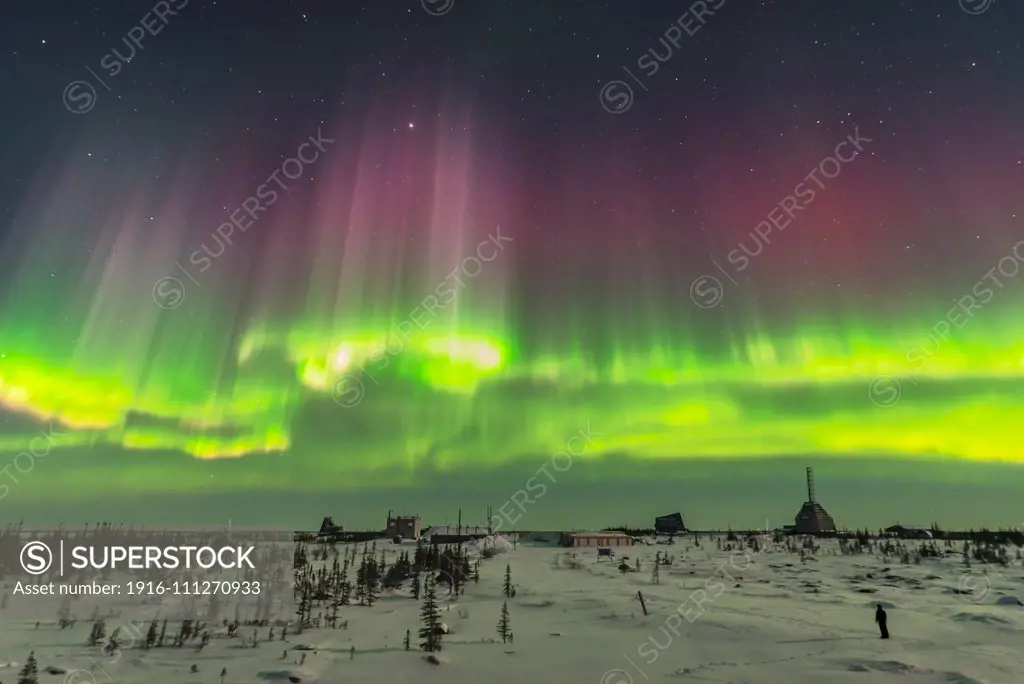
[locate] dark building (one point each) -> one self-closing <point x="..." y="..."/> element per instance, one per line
<point x="359" y="536"/>
<point x="405" y="526"/>
<point x="330" y="533"/>
<point x="328" y="528"/>
<point x="908" y="532"/>
<point x="670" y="524"/>
<point x="812" y="517"/>
<point x="455" y="534"/>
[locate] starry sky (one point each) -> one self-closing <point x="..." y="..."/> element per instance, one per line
<point x="272" y="263"/>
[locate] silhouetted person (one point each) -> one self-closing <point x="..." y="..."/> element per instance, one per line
<point x="880" y="618"/>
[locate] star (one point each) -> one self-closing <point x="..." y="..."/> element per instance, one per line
<point x="412" y="125"/>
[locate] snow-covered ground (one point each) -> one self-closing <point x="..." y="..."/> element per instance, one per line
<point x="715" y="615"/>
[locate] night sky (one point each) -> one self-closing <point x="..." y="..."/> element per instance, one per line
<point x="274" y="261"/>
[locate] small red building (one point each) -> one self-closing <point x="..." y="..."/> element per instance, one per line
<point x="584" y="539"/>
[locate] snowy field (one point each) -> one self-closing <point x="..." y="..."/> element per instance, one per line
<point x="719" y="613"/>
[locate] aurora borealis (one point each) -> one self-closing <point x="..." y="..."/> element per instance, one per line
<point x="483" y="260"/>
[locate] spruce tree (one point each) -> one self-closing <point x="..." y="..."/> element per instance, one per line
<point x="30" y="673"/>
<point x="371" y="580"/>
<point x="504" y="625"/>
<point x="450" y="568"/>
<point x="508" y="590"/>
<point x="114" y="644"/>
<point x="419" y="556"/>
<point x="655" y="574"/>
<point x="416" y="582"/>
<point x="361" y="579"/>
<point x="96" y="634"/>
<point x="346" y="586"/>
<point x="101" y="631"/>
<point x="303" y="607"/>
<point x="465" y="572"/>
<point x="431" y="617"/>
<point x="334" y="615"/>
